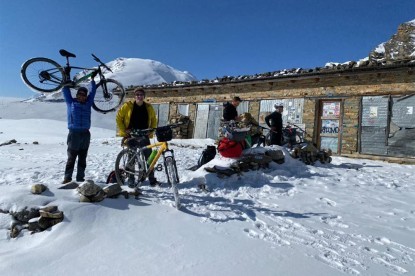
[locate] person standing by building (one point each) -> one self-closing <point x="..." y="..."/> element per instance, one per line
<point x="79" y="123"/>
<point x="274" y="121"/>
<point x="229" y="112"/>
<point x="137" y="114"/>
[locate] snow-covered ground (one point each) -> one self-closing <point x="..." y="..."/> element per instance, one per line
<point x="350" y="217"/>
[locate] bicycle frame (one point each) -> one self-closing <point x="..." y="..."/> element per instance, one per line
<point x="87" y="76"/>
<point x="68" y="68"/>
<point x="162" y="148"/>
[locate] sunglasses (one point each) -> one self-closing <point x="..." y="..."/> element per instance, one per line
<point x="139" y="95"/>
<point x="80" y="95"/>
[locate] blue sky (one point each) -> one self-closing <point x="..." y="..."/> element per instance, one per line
<point x="209" y="38"/>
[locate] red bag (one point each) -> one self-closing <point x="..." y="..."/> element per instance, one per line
<point x="229" y="148"/>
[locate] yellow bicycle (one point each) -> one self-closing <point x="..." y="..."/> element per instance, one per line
<point x="132" y="161"/>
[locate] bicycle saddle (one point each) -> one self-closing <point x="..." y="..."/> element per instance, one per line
<point x="66" y="53"/>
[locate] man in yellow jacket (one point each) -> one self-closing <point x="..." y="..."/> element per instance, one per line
<point x="137" y="114"/>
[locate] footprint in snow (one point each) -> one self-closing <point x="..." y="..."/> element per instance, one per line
<point x="328" y="201"/>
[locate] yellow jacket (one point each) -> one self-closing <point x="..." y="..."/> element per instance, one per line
<point x="124" y="116"/>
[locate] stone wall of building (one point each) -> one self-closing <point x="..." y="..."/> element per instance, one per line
<point x="348" y="86"/>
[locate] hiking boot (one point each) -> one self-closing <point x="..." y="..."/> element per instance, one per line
<point x="154" y="183"/>
<point x="80" y="179"/>
<point x="131" y="182"/>
<point x="66" y="180"/>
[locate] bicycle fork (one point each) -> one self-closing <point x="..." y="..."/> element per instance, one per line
<point x="170" y="155"/>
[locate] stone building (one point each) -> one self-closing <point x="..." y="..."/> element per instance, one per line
<point x="361" y="110"/>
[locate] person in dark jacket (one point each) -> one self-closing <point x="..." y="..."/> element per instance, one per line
<point x="274" y="121"/>
<point x="229" y="112"/>
<point x="79" y="123"/>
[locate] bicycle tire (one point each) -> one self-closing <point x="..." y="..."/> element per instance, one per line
<point x="172" y="178"/>
<point x="123" y="169"/>
<point x="54" y="74"/>
<point x="114" y="99"/>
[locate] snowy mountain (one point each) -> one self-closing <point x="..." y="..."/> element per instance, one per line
<point x="137" y="71"/>
<point x="400" y="47"/>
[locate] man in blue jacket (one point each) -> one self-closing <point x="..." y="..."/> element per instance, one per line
<point x="79" y="122"/>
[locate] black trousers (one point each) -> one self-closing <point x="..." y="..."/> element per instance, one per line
<point x="145" y="141"/>
<point x="276" y="138"/>
<point x="78" y="144"/>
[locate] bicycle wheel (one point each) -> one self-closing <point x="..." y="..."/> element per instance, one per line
<point x="172" y="178"/>
<point x="291" y="140"/>
<point x="129" y="164"/>
<point x="107" y="102"/>
<point x="267" y="141"/>
<point x="43" y="74"/>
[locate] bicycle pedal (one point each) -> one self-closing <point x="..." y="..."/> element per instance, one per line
<point x="159" y="168"/>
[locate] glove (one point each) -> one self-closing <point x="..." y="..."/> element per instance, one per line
<point x="124" y="139"/>
<point x="94" y="74"/>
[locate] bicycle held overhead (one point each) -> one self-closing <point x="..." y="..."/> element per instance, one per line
<point x="46" y="75"/>
<point x="131" y="162"/>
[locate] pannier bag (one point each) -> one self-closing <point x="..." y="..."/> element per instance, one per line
<point x="230" y="148"/>
<point x="164" y="134"/>
<point x="136" y="142"/>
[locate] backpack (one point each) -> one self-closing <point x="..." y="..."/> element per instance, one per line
<point x="207" y="155"/>
<point x="230" y="148"/>
<point x="113" y="179"/>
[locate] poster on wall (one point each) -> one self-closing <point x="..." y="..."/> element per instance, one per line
<point x="331" y="109"/>
<point x="373" y="112"/>
<point x="329" y="143"/>
<point x="329" y="127"/>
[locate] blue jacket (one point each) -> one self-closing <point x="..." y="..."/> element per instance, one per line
<point x="79" y="115"/>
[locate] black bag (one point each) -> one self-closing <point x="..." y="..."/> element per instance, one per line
<point x="207" y="155"/>
<point x="113" y="179"/>
<point x="164" y="134"/>
<point x="137" y="142"/>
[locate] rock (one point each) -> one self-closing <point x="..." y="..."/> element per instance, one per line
<point x="98" y="197"/>
<point x="89" y="188"/>
<point x="33" y="225"/>
<point x="51" y="208"/>
<point x="125" y="194"/>
<point x="38" y="189"/>
<point x="257" y="158"/>
<point x="83" y="198"/>
<point x="45" y="223"/>
<point x="13" y="141"/>
<point x="15" y="231"/>
<point x="276" y="155"/>
<point x="398" y="48"/>
<point x="26" y="214"/>
<point x="70" y="185"/>
<point x="54" y="215"/>
<point x="113" y="190"/>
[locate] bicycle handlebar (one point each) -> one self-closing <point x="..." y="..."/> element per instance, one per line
<point x="143" y="132"/>
<point x="101" y="63"/>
